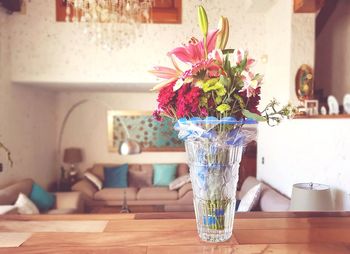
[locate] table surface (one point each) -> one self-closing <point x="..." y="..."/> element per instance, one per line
<point x="173" y="233"/>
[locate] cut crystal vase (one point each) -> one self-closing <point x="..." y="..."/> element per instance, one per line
<point x="214" y="170"/>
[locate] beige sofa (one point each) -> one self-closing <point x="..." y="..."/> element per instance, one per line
<point x="270" y="200"/>
<point x="66" y="202"/>
<point x="172" y="200"/>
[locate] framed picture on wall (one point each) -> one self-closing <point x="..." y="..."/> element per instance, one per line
<point x="140" y="126"/>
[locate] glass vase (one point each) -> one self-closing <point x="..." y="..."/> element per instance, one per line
<point x="214" y="170"/>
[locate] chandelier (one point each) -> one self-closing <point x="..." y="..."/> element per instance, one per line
<point x="110" y="23"/>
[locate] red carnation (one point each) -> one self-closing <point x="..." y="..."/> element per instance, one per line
<point x="192" y="99"/>
<point x="187" y="103"/>
<point x="166" y="97"/>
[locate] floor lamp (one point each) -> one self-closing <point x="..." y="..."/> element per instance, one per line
<point x="127" y="146"/>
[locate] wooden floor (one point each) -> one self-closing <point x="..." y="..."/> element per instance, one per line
<point x="173" y="233"/>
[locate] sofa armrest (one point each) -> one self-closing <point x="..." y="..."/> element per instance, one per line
<point x="86" y="188"/>
<point x="272" y="201"/>
<point x="69" y="200"/>
<point x="184" y="189"/>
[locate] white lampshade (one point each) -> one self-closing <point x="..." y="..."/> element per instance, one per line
<point x="311" y="197"/>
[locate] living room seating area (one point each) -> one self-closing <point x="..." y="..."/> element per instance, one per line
<point x="140" y="190"/>
<point x="62" y="202"/>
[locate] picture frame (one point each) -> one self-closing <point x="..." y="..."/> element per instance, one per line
<point x="311" y="107"/>
<point x="153" y="136"/>
<point x="304" y="83"/>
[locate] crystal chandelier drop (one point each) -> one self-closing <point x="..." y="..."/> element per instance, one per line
<point x="110" y="23"/>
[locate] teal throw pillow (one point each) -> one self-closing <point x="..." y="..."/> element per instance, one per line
<point x="41" y="198"/>
<point x="116" y="177"/>
<point x="163" y="174"/>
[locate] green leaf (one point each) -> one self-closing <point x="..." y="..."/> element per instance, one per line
<point x="240" y="101"/>
<point x="225" y="81"/>
<point x="253" y="116"/>
<point x="227" y="65"/>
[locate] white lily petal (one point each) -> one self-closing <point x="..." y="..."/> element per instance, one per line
<point x="179" y="83"/>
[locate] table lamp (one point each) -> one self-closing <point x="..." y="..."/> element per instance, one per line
<point x="311" y="197"/>
<point x="72" y="156"/>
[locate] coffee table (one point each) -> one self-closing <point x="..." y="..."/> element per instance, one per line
<point x="174" y="233"/>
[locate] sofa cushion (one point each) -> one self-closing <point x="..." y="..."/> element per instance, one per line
<point x="25" y="205"/>
<point x="85" y="187"/>
<point x="140" y="176"/>
<point x="250" y="199"/>
<point x="272" y="201"/>
<point x="179" y="182"/>
<point x="116" y="177"/>
<point x="163" y="174"/>
<point x="62" y="211"/>
<point x="107" y="194"/>
<point x="248" y="183"/>
<point x="9" y="194"/>
<point x="98" y="169"/>
<point x="94" y="180"/>
<point x="156" y="193"/>
<point x="41" y="198"/>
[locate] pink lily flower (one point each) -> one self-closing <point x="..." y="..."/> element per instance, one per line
<point x="212" y="69"/>
<point x="164" y="72"/>
<point x="170" y="75"/>
<point x="239" y="55"/>
<point x="194" y="51"/>
<point x="251" y="83"/>
<point x="217" y="55"/>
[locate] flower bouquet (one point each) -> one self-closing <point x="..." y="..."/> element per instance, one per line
<point x="213" y="96"/>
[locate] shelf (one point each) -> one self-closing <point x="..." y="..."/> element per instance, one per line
<point x="341" y="116"/>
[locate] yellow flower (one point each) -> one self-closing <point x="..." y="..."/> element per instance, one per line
<point x="218" y="100"/>
<point x="223" y="108"/>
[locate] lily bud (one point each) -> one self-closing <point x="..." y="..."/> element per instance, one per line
<point x="223" y="33"/>
<point x="203" y="20"/>
<point x="226" y="33"/>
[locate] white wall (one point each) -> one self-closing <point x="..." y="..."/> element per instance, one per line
<point x="305" y="151"/>
<point x="333" y="53"/>
<point x="87" y="126"/>
<point x="27" y="123"/>
<point x="278" y="44"/>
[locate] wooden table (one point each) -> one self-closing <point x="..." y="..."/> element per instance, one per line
<point x="173" y="233"/>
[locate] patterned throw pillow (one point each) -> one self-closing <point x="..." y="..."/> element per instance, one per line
<point x="94" y="180"/>
<point x="179" y="182"/>
<point x="25" y="205"/>
<point x="250" y="199"/>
